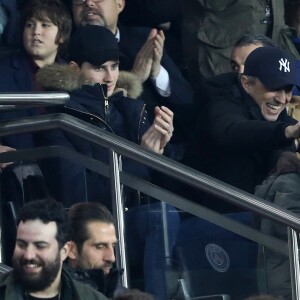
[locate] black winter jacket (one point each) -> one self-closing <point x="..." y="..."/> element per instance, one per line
<point x="233" y="142"/>
<point x="106" y="284"/>
<point x="71" y="289"/>
<point x="118" y="114"/>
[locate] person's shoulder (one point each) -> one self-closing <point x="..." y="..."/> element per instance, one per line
<point x="86" y="292"/>
<point x="5" y="277"/>
<point x="223" y="80"/>
<point x="135" y="32"/>
<point x="6" y="56"/>
<point x="12" y="57"/>
<point x="223" y="87"/>
<point x="263" y="190"/>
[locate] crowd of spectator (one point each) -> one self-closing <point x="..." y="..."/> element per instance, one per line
<point x="206" y="83"/>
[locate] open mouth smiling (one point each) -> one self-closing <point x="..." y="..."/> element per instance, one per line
<point x="274" y="107"/>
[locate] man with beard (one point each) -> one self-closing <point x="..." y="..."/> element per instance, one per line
<point x="42" y="244"/>
<point x="93" y="239"/>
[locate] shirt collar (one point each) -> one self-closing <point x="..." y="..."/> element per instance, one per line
<point x="117" y="35"/>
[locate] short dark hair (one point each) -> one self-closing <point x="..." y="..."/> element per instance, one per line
<point x="81" y="214"/>
<point x="48" y="210"/>
<point x="56" y="11"/>
<point x="253" y="39"/>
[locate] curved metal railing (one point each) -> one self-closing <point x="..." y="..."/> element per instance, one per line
<point x="160" y="163"/>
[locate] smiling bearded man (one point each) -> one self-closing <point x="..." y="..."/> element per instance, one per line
<point x="36" y="272"/>
<point x="42" y="244"/>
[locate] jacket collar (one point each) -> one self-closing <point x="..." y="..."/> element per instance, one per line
<point x="64" y="78"/>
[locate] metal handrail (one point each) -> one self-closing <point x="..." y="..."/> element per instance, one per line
<point x="25" y="100"/>
<point x="119" y="146"/>
<point x="153" y="160"/>
<point x="176" y="170"/>
<point x="148" y="188"/>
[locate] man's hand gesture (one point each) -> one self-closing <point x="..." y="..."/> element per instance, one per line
<point x="160" y="132"/>
<point x="147" y="61"/>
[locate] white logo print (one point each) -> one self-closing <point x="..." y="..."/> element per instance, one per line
<point x="284" y="65"/>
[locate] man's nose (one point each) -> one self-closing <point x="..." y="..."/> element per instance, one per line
<point x="241" y="69"/>
<point x="89" y="3"/>
<point x="29" y="253"/>
<point x="281" y="96"/>
<point x="108" y="76"/>
<point x="110" y="254"/>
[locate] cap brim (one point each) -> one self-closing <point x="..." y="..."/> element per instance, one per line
<point x="98" y="59"/>
<point x="276" y="83"/>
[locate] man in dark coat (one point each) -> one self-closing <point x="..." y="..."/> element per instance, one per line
<point x="143" y="48"/>
<point x="111" y="102"/>
<point x="108" y="99"/>
<point x="93" y="240"/>
<point x="42" y="244"/>
<point x="244" y="124"/>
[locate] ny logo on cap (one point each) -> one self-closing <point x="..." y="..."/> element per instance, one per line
<point x="284" y="65"/>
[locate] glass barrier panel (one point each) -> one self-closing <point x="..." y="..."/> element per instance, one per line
<point x="21" y="182"/>
<point x="171" y="253"/>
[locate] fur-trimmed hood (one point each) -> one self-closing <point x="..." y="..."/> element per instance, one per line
<point x="61" y="77"/>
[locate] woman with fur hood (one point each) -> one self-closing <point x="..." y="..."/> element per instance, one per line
<point x="101" y="95"/>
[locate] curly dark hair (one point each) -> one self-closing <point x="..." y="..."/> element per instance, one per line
<point x="48" y="210"/>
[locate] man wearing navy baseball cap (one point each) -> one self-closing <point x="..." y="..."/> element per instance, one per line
<point x="269" y="76"/>
<point x="243" y="127"/>
<point x="243" y="122"/>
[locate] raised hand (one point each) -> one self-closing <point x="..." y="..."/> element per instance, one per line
<point x="160" y="132"/>
<point x="147" y="61"/>
<point x="158" y="51"/>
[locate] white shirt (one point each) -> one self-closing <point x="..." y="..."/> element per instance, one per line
<point x="162" y="81"/>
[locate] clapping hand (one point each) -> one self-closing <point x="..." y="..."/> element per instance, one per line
<point x="160" y="132"/>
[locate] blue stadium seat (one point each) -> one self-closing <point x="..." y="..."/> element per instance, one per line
<point x="217" y="261"/>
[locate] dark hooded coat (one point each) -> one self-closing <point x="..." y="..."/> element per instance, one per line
<point x="119" y="114"/>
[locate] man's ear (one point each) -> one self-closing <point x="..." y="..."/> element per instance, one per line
<point x="245" y="81"/>
<point x="120" y="5"/>
<point x="74" y="65"/>
<point x="65" y="250"/>
<point x="73" y="253"/>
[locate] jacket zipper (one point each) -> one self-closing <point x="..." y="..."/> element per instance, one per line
<point x="92" y="115"/>
<point x="139" y="127"/>
<point x="106" y="107"/>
